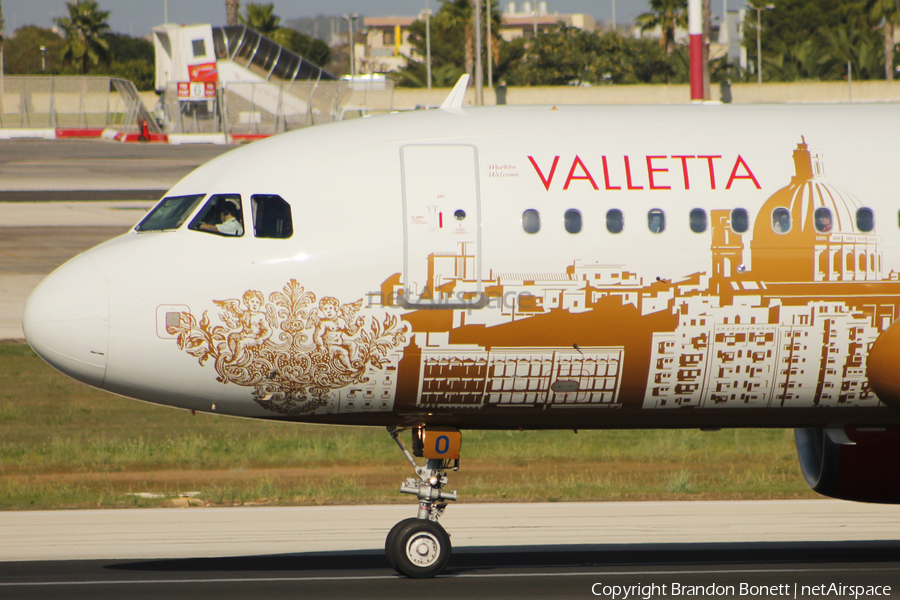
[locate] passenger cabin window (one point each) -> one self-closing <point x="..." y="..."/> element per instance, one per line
<point x="615" y="222"/>
<point x="531" y="221"/>
<point x="222" y="215"/>
<point x="271" y="217"/>
<point x="865" y="220"/>
<point x="740" y="221"/>
<point x="573" y="221"/>
<point x="698" y="220"/>
<point x="656" y="220"/>
<point x="170" y="213"/>
<point x="781" y="220"/>
<point x="822" y="218"/>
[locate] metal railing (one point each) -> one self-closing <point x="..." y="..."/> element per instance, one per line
<point x="267" y="108"/>
<point x="78" y="102"/>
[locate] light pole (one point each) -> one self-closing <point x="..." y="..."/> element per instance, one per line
<point x="479" y="74"/>
<point x="427" y="14"/>
<point x="350" y="19"/>
<point x="758" y="43"/>
<point x="613" y="15"/>
<point x="490" y="12"/>
<point x="44" y="58"/>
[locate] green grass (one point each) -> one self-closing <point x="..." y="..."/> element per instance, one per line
<point x="66" y="445"/>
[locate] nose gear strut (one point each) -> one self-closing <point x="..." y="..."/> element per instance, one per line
<point x="419" y="547"/>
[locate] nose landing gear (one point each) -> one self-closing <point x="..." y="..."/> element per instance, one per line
<point x="419" y="547"/>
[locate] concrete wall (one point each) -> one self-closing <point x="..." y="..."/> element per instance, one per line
<point x="742" y="93"/>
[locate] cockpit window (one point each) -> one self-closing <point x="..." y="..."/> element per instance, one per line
<point x="170" y="213"/>
<point x="272" y="217"/>
<point x="222" y="214"/>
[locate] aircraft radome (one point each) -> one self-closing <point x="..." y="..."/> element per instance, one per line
<point x="559" y="267"/>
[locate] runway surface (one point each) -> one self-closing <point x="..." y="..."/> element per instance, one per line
<point x="516" y="550"/>
<point x="65" y="166"/>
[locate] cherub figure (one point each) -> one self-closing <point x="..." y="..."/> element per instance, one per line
<point x="332" y="322"/>
<point x="252" y="325"/>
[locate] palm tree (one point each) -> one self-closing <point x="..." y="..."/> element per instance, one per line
<point x="889" y="12"/>
<point x="667" y="15"/>
<point x="261" y="18"/>
<point x="232" y="8"/>
<point x="84" y="29"/>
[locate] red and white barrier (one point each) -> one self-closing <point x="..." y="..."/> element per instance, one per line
<point x="695" y="30"/>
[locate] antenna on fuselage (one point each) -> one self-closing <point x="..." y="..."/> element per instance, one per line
<point x="453" y="103"/>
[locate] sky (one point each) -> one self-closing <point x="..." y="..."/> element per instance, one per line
<point x="138" y="17"/>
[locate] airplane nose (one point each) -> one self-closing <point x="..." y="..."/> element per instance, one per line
<point x="66" y="320"/>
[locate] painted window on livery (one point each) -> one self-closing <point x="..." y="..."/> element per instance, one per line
<point x="823" y="222"/>
<point x="698" y="220"/>
<point x="271" y="217"/>
<point x="781" y="220"/>
<point x="531" y="221"/>
<point x="573" y="221"/>
<point x="656" y="220"/>
<point x="865" y="220"/>
<point x="740" y="220"/>
<point x="222" y="215"/>
<point x="615" y="222"/>
<point x="170" y="213"/>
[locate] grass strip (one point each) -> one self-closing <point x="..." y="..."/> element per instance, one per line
<point x="66" y="445"/>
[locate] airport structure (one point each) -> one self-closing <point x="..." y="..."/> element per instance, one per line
<point x="233" y="81"/>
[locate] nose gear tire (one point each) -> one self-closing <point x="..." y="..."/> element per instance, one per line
<point x="418" y="548"/>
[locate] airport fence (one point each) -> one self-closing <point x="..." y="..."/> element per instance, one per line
<point x="265" y="108"/>
<point x="73" y="102"/>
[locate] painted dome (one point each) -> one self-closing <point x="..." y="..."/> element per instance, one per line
<point x="809" y="190"/>
<point x="795" y="250"/>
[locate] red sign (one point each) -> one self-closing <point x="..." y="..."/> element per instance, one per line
<point x="204" y="72"/>
<point x="196" y="90"/>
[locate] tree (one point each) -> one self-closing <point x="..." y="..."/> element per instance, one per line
<point x="261" y="18"/>
<point x="888" y="12"/>
<point x="84" y="29"/>
<point x="667" y="15"/>
<point x="572" y="56"/>
<point x="232" y="12"/>
<point x="452" y="45"/>
<point x="22" y="51"/>
<point x="847" y="43"/>
<point x="314" y="50"/>
<point x="815" y="39"/>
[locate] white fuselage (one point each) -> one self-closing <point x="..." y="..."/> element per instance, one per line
<point x="468" y="319"/>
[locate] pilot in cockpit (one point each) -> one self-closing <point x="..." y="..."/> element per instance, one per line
<point x="229" y="223"/>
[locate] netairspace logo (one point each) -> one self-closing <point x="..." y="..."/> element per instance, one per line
<point x="670" y="590"/>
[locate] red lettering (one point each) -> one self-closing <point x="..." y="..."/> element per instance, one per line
<point x="651" y="171"/>
<point x="712" y="172"/>
<point x="587" y="175"/>
<point x="628" y="177"/>
<point x="734" y="175"/>
<point x="606" y="177"/>
<point x="549" y="179"/>
<point x="684" y="170"/>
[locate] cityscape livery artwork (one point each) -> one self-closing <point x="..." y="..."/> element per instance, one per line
<point x="792" y="330"/>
